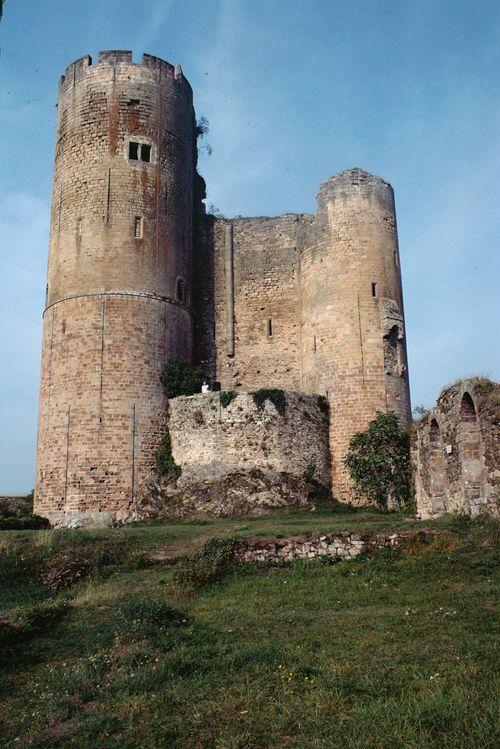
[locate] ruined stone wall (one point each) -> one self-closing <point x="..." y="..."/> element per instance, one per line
<point x="256" y="300"/>
<point x="119" y="278"/>
<point x="210" y="440"/>
<point x="337" y="546"/>
<point x="315" y="304"/>
<point x="456" y="451"/>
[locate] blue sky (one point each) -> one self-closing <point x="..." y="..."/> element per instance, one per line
<point x="294" y="90"/>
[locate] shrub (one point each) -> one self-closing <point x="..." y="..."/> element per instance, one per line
<point x="323" y="404"/>
<point x="226" y="397"/>
<point x="277" y="398"/>
<point x="207" y="565"/>
<point x="23" y="522"/>
<point x="67" y="567"/>
<point x="202" y="127"/>
<point x="418" y="412"/>
<point x="379" y="462"/>
<point x="484" y="387"/>
<point x="167" y="468"/>
<point x="180" y="378"/>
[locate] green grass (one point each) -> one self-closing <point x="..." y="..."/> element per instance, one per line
<point x="391" y="650"/>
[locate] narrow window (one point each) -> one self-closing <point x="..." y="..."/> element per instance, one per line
<point x="269" y="327"/>
<point x="314" y="343"/>
<point x="374" y="289"/>
<point x="63" y="327"/>
<point x="180" y="289"/>
<point x="133" y="151"/>
<point x="138" y="227"/>
<point x="145" y="152"/>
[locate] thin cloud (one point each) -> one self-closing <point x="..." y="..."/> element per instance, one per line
<point x="153" y="27"/>
<point x="239" y="128"/>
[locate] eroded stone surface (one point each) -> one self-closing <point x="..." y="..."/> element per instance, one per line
<point x="456" y="451"/>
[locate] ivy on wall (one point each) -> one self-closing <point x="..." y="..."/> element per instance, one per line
<point x="277" y="398"/>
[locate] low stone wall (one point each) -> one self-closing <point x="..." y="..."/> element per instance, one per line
<point x="208" y="439"/>
<point x="339" y="545"/>
<point x="245" y="458"/>
<point x="456" y="451"/>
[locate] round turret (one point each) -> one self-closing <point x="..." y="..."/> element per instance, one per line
<point x="353" y="338"/>
<point x="119" y="279"/>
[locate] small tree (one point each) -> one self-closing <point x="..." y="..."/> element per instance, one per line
<point x="379" y="462"/>
<point x="180" y="378"/>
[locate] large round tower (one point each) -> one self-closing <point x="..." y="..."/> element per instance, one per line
<point x="352" y="322"/>
<point x="119" y="279"/>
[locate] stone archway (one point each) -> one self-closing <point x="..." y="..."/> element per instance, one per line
<point x="469" y="446"/>
<point x="437" y="469"/>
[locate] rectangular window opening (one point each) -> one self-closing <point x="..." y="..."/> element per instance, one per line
<point x="138" y="227"/>
<point x="133" y="102"/>
<point x="269" y="327"/>
<point x="374" y="289"/>
<point x="133" y="151"/>
<point x="314" y="343"/>
<point x="145" y="152"/>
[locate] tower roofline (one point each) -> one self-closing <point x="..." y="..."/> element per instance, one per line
<point x="116" y="57"/>
<point x="353" y="176"/>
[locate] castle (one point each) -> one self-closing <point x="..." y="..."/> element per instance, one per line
<point x="138" y="275"/>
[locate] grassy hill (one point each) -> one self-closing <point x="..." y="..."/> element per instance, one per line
<point x="103" y="646"/>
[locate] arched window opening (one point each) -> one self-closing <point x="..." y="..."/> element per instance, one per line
<point x="469" y="446"/>
<point x="437" y="468"/>
<point x="434" y="433"/>
<point x="467" y="409"/>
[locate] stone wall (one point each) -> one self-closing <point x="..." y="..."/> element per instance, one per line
<point x="242" y="435"/>
<point x="257" y="311"/>
<point x="336" y="546"/>
<point x="456" y="451"/>
<point x="311" y="303"/>
<point x="243" y="459"/>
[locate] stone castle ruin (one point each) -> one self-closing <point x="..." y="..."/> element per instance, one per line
<point x="456" y="451"/>
<point x="140" y="275"/>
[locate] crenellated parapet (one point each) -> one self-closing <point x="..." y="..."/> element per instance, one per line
<point x="117" y="62"/>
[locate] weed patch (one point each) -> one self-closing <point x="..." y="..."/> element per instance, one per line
<point x="277" y="398"/>
<point x="207" y="565"/>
